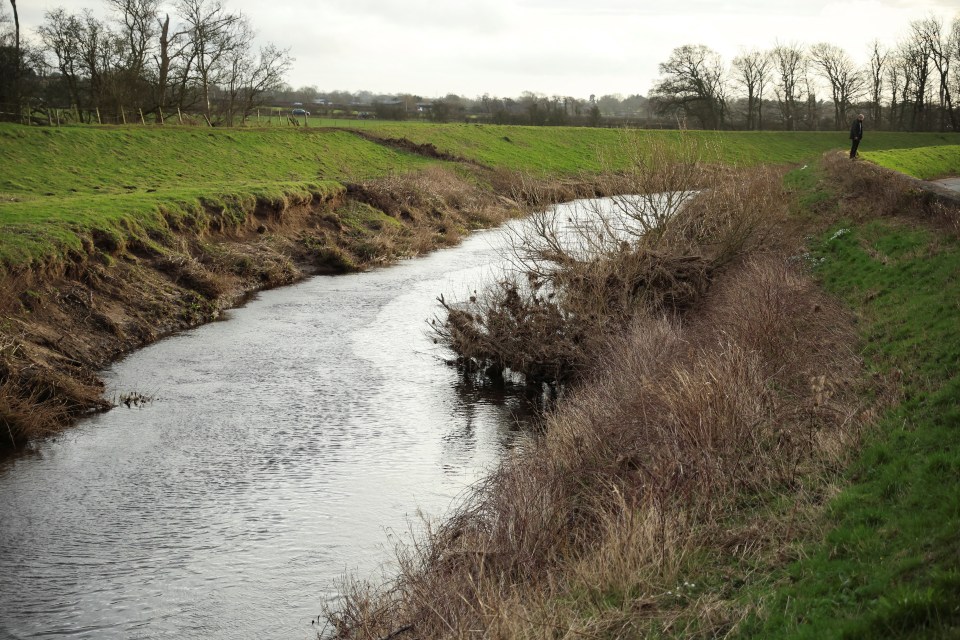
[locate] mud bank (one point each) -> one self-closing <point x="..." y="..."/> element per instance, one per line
<point x="64" y="322"/>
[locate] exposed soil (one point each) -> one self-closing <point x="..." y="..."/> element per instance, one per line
<point x="61" y="324"/>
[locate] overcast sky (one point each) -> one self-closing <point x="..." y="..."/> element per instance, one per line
<point x="554" y="47"/>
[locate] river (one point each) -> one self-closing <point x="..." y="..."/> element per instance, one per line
<point x="285" y="446"/>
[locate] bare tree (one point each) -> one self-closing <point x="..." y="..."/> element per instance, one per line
<point x="753" y="70"/>
<point x="788" y="64"/>
<point x="838" y="69"/>
<point x="693" y="83"/>
<point x="811" y="116"/>
<point x="173" y="59"/>
<point x="899" y="82"/>
<point x="138" y="25"/>
<point x="61" y="34"/>
<point x="214" y="35"/>
<point x="915" y="52"/>
<point x="101" y="55"/>
<point x="17" y="56"/>
<point x="930" y="32"/>
<point x="878" y="66"/>
<point x="249" y="76"/>
<point x="953" y="47"/>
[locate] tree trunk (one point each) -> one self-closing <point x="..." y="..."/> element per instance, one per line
<point x="163" y="68"/>
<point x="17" y="60"/>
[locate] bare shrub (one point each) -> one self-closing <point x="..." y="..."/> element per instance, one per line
<point x="582" y="276"/>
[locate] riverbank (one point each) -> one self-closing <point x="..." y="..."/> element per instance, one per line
<point x="114" y="237"/>
<point x="773" y="463"/>
<point x="67" y="316"/>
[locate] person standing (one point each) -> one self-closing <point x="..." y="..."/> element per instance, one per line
<point x="856" y="134"/>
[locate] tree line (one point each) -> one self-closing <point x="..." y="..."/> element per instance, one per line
<point x="910" y="86"/>
<point x="200" y="58"/>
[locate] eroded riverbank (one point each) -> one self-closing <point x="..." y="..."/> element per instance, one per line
<point x="64" y="321"/>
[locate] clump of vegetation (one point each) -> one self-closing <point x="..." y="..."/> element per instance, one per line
<point x="583" y="278"/>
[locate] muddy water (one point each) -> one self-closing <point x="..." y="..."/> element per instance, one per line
<point x="285" y="446"/>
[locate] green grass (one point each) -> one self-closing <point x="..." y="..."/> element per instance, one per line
<point x="97" y="160"/>
<point x="66" y="184"/>
<point x="573" y="150"/>
<point x="62" y="183"/>
<point x="926" y="163"/>
<point x="890" y="565"/>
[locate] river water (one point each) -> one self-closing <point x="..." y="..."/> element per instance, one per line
<point x="285" y="446"/>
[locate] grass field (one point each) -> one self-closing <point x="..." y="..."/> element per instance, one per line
<point x="573" y="150"/>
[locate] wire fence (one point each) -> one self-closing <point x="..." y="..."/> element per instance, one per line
<point x="62" y="116"/>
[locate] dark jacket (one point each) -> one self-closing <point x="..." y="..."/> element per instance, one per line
<point x="856" y="131"/>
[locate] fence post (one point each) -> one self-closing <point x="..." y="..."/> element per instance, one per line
<point x="258" y="117"/>
<point x="160" y="111"/>
<point x="142" y="119"/>
<point x="99" y="121"/>
<point x="123" y="115"/>
<point x="179" y="115"/>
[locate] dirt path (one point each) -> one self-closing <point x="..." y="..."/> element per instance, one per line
<point x="950" y="183"/>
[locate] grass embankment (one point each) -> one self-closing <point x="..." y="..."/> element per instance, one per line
<point x="753" y="469"/>
<point x="889" y="565"/>
<point x="926" y="163"/>
<point x="73" y="181"/>
<point x="62" y="184"/>
<point x="572" y="151"/>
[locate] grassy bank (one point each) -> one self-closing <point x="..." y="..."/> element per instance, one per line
<point x="889" y="561"/>
<point x="564" y="151"/>
<point x="926" y="163"/>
